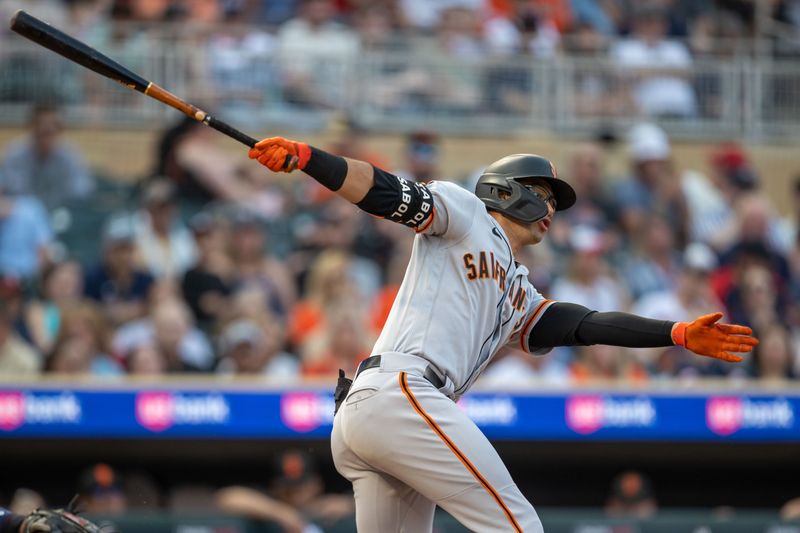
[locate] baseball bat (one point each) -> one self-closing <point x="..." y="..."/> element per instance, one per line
<point x="59" y="42"/>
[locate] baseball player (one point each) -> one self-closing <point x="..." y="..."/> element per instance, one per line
<point x="399" y="436"/>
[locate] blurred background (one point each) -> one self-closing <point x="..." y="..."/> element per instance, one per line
<point x="172" y="315"/>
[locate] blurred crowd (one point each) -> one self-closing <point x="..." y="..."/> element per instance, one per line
<point x="452" y="56"/>
<point x="215" y="265"/>
<point x="290" y="494"/>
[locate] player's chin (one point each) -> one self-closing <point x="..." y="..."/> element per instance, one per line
<point x="536" y="236"/>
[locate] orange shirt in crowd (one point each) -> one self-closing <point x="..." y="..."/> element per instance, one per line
<point x="329" y="365"/>
<point x="580" y="372"/>
<point x="305" y="318"/>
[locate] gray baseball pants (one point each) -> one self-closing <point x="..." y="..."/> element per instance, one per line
<point x="407" y="448"/>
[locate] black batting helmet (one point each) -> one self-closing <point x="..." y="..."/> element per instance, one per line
<point x="504" y="175"/>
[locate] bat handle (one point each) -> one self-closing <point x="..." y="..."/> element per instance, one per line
<point x="291" y="160"/>
<point x="229" y="130"/>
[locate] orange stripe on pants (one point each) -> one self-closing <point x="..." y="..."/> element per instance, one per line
<point x="457" y="452"/>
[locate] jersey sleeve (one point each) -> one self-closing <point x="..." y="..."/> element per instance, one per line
<point x="454" y="211"/>
<point x="521" y="339"/>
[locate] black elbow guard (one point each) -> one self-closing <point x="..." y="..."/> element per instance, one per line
<point x="397" y="199"/>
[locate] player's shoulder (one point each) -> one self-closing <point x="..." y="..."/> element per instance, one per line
<point x="450" y="189"/>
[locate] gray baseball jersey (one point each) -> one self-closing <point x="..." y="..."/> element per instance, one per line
<point x="404" y="444"/>
<point x="463" y="296"/>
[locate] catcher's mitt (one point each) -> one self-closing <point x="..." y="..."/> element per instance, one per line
<point x="58" y="521"/>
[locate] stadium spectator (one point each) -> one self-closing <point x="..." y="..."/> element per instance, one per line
<point x="83" y="343"/>
<point x="601" y="362"/>
<point x="249" y="348"/>
<point x="255" y="268"/>
<point x="272" y="13"/>
<point x="393" y="264"/>
<point x="16" y="356"/>
<point x="43" y="165"/>
<point x="376" y="28"/>
<point x="791" y="224"/>
<point x="790" y="510"/>
<point x="73" y="356"/>
<point x="755" y="300"/>
<point x="528" y="29"/>
<point x="207" y="285"/>
<point x="188" y="155"/>
<point x="314" y="52"/>
<point x="757" y="221"/>
<point x="146" y="359"/>
<point x="692" y="296"/>
<point x="342" y="342"/>
<point x="591" y="13"/>
<point x="586" y="280"/>
<point x="710" y="200"/>
<point x="586" y="171"/>
<point x="426" y="14"/>
<point x="449" y="80"/>
<point x="203" y="12"/>
<point x="100" y="491"/>
<point x="25" y="236"/>
<point x="115" y="283"/>
<point x="169" y="327"/>
<point x="329" y="285"/>
<point x="773" y="359"/>
<point x="515" y="367"/>
<point x="351" y="141"/>
<point x="458" y="34"/>
<point x="654" y="264"/>
<point x="752" y="228"/>
<point x="60" y="285"/>
<point x="653" y="186"/>
<point x="658" y="66"/>
<point x="25" y="501"/>
<point x="631" y="496"/>
<point x="164" y="247"/>
<point x="12" y="296"/>
<point x="597" y="91"/>
<point x="142" y="10"/>
<point x="421" y="157"/>
<point x="295" y="498"/>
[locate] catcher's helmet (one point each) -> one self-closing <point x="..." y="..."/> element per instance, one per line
<point x="503" y="176"/>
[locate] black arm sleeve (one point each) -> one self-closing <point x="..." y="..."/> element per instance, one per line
<point x="397" y="199"/>
<point x="328" y="169"/>
<point x="566" y="324"/>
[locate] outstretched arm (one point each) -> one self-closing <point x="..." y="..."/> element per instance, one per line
<point x="566" y="324"/>
<point x="372" y="189"/>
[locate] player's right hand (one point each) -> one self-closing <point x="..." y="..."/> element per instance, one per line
<point x="281" y="155"/>
<point x="704" y="336"/>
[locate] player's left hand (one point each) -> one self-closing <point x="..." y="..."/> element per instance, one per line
<point x="281" y="155"/>
<point x="704" y="336"/>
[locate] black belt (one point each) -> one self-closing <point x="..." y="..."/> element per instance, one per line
<point x="375" y="361"/>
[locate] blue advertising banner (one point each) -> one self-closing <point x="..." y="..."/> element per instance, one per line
<point x="308" y="413"/>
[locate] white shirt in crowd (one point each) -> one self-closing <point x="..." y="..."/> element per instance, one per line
<point x="659" y="94"/>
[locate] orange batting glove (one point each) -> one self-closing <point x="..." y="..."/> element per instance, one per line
<point x="281" y="155"/>
<point x="705" y="337"/>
